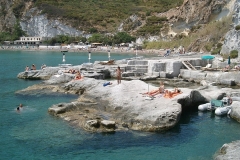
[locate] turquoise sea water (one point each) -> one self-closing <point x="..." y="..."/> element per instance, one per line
<point x="34" y="134"/>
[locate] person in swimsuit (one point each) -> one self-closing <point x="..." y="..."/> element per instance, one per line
<point x="158" y="91"/>
<point x="27" y="68"/>
<point x="119" y="75"/>
<point x="33" y="67"/>
<point x="78" y="76"/>
<point x="170" y="94"/>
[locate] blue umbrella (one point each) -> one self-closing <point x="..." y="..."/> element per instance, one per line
<point x="229" y="60"/>
<point x="207" y="57"/>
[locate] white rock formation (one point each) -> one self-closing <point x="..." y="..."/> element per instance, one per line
<point x="36" y="24"/>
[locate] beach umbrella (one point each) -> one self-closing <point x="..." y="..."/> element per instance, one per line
<point x="89" y="56"/>
<point x="229" y="60"/>
<point x="208" y="57"/>
<point x="109" y="55"/>
<point x="64" y="58"/>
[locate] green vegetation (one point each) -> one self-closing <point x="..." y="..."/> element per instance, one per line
<point x="237" y="27"/>
<point x="121" y="37"/>
<point x="234" y="54"/>
<point x="217" y="49"/>
<point x="204" y="37"/>
<point x="12" y="35"/>
<point x="152" y="26"/>
<point x="18" y="8"/>
<point x="63" y="39"/>
<point x="100" y="14"/>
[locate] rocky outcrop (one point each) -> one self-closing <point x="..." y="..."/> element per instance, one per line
<point x="122" y="104"/>
<point x="229" y="151"/>
<point x="48" y="72"/>
<point x="235" y="111"/>
<point x="36" y="24"/>
<point x="193" y="12"/>
<point x="45" y="73"/>
<point x="127" y="107"/>
<point x="232" y="39"/>
<point x="221" y="78"/>
<point x="199" y="12"/>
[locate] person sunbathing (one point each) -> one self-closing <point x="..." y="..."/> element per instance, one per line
<point x="78" y="76"/>
<point x="157" y="91"/>
<point x="171" y="94"/>
<point x="237" y="67"/>
<point x="226" y="69"/>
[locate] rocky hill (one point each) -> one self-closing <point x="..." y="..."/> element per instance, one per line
<point x="154" y="20"/>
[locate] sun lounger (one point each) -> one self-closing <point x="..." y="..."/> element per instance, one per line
<point x="208" y="68"/>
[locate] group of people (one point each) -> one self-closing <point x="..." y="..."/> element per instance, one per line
<point x="228" y="68"/>
<point x="180" y="50"/>
<point x="72" y="71"/>
<point x="161" y="90"/>
<point x="33" y="67"/>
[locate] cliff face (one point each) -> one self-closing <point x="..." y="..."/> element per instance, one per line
<point x="36" y="24"/>
<point x="31" y="20"/>
<point x="193" y="12"/>
<point x="7" y="18"/>
<point x="232" y="38"/>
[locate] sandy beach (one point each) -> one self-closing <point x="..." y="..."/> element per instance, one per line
<point x="124" y="50"/>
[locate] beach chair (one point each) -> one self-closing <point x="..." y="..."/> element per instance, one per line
<point x="209" y="68"/>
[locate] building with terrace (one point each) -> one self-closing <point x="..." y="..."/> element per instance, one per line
<point x="30" y="40"/>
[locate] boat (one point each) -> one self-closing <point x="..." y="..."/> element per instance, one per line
<point x="210" y="106"/>
<point x="220" y="107"/>
<point x="222" y="110"/>
<point x="204" y="107"/>
<point x="225" y="108"/>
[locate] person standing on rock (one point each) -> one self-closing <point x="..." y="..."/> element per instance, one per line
<point x="33" y="67"/>
<point x="27" y="68"/>
<point x="119" y="75"/>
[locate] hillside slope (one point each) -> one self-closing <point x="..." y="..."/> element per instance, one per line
<point x="155" y="20"/>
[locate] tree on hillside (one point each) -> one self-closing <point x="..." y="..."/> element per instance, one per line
<point x="96" y="38"/>
<point x="123" y="37"/>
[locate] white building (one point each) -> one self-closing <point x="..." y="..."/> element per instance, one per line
<point x="30" y="40"/>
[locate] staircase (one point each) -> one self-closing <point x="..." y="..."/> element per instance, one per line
<point x="188" y="65"/>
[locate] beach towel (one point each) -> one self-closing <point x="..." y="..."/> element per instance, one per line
<point x="106" y="84"/>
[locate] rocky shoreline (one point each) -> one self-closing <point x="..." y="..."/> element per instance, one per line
<point x="122" y="107"/>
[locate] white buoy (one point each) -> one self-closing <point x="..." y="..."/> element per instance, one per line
<point x="64" y="58"/>
<point x="89" y="56"/>
<point x="109" y="55"/>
